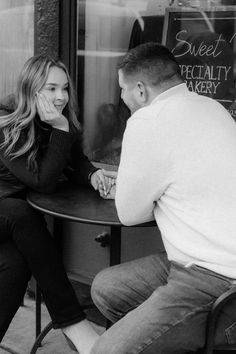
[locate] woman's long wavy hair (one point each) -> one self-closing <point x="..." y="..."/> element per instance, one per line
<point x="30" y="81"/>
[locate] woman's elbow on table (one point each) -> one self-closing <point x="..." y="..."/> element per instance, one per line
<point x="42" y="187"/>
<point x="46" y="189"/>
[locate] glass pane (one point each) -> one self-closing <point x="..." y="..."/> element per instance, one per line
<point x="203" y="41"/>
<point x="106" y="30"/>
<point x="16" y="40"/>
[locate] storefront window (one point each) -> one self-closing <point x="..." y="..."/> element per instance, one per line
<point x="201" y="34"/>
<point x="16" y="40"/>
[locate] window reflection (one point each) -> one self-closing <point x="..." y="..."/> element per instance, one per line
<point x="16" y="40"/>
<point x="106" y="30"/>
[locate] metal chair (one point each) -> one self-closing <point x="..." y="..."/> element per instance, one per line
<point x="210" y="347"/>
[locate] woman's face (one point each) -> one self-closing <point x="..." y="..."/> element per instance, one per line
<point x="56" y="88"/>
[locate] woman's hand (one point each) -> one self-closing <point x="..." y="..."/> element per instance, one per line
<point x="111" y="194"/>
<point x="103" y="181"/>
<point x="49" y="114"/>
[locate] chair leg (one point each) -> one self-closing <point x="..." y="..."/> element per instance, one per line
<point x="38" y="299"/>
<point x="39" y="334"/>
<point x="40" y="337"/>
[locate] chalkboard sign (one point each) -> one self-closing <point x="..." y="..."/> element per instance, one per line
<point x="204" y="43"/>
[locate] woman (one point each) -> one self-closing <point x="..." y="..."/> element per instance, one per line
<point x="40" y="142"/>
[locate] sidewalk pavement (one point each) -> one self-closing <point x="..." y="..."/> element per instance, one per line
<point x="20" y="336"/>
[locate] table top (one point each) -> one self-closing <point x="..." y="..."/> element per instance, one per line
<point x="77" y="203"/>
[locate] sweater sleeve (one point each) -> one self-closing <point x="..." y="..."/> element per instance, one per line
<point x="142" y="174"/>
<point x="50" y="163"/>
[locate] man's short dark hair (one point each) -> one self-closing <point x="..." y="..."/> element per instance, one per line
<point x="152" y="61"/>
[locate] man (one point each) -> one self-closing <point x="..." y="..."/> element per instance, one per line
<point x="178" y="165"/>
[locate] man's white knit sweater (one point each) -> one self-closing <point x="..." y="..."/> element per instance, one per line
<point x="178" y="164"/>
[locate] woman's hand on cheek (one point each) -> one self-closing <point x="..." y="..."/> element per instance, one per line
<point x="49" y="114"/>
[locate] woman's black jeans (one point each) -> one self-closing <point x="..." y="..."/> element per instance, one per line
<point x="26" y="247"/>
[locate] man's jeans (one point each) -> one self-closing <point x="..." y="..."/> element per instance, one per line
<point x="159" y="307"/>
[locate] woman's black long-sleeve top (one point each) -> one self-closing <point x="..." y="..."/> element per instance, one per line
<point x="60" y="153"/>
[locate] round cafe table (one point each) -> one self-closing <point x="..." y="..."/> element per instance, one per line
<point x="81" y="204"/>
<point x="84" y="205"/>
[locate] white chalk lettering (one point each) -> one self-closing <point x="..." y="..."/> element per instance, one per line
<point x="201" y="50"/>
<point x="215" y="85"/>
<point x="205" y="72"/>
<point x="203" y="87"/>
<point x="225" y="70"/>
<point x="232" y="38"/>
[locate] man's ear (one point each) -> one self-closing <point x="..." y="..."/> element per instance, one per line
<point x="142" y="92"/>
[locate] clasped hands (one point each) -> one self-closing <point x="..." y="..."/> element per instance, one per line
<point x="104" y="182"/>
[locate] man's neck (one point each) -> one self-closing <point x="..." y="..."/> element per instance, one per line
<point x="157" y="90"/>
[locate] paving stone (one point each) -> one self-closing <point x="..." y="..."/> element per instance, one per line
<point x="20" y="336"/>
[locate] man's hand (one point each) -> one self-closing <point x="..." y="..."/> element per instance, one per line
<point x="103" y="181"/>
<point x="111" y="194"/>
